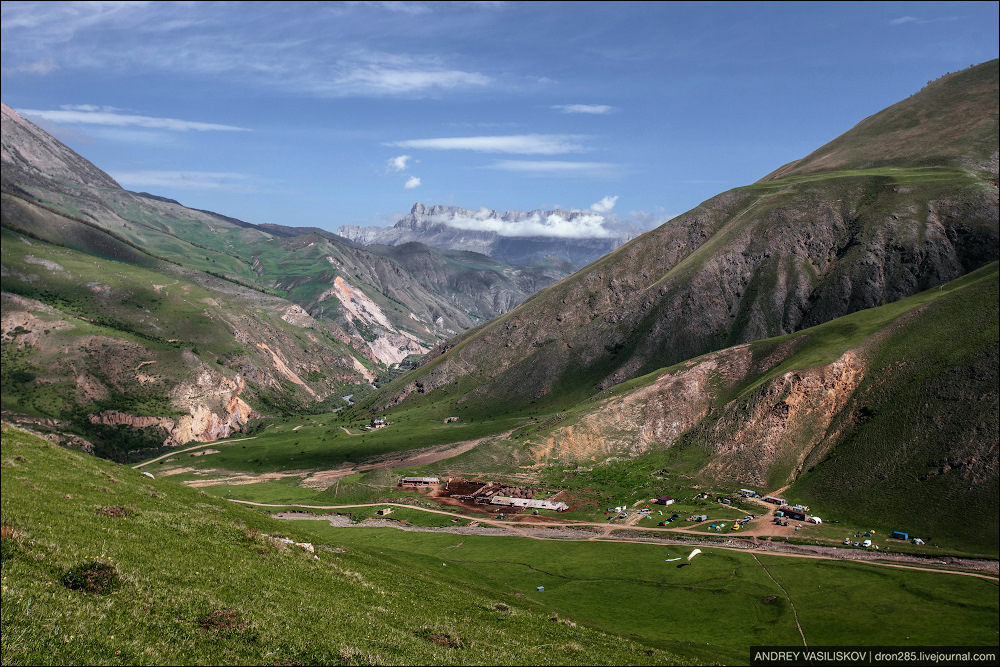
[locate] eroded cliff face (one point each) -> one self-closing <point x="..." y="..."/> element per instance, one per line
<point x="214" y="408"/>
<point x="760" y="438"/>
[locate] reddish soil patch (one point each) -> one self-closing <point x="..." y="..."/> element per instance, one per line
<point x="220" y="620"/>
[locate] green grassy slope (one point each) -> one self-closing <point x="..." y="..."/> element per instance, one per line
<point x="199" y="582"/>
<point x="717" y="606"/>
<point x="105" y="334"/>
<point x="922" y="452"/>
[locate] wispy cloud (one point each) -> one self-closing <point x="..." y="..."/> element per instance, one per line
<point x="378" y="80"/>
<point x="523" y="144"/>
<point x="322" y="50"/>
<point x="39" y="67"/>
<point x="189" y="180"/>
<point x="398" y="163"/>
<point x="411" y="183"/>
<point x="410" y="8"/>
<point x="903" y="20"/>
<point x="559" y="168"/>
<point x="83" y="115"/>
<point x="594" y="109"/>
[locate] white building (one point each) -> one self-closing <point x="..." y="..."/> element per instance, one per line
<point x="529" y="503"/>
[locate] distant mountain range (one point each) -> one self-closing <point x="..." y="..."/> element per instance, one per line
<point x="491" y="233"/>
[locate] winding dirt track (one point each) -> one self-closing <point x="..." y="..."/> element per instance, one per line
<point x="202" y="445"/>
<point x="565" y="530"/>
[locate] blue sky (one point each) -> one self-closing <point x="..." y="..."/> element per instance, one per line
<point x="323" y="114"/>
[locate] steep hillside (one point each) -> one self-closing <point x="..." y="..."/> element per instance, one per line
<point x="886" y="417"/>
<point x="40" y="170"/>
<point x="765" y="260"/>
<point x="90" y="344"/>
<point x="104" y="566"/>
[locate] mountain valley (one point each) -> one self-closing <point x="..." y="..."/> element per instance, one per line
<point x="283" y="410"/>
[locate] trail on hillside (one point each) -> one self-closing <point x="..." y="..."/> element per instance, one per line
<point x="795" y="612"/>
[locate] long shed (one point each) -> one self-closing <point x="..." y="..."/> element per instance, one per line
<point x="420" y="481"/>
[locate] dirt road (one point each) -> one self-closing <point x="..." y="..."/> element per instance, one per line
<point x="583" y="531"/>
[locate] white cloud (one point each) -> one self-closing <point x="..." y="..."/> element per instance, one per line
<point x="410" y="8"/>
<point x="411" y="183"/>
<point x="78" y="116"/>
<point x="378" y="80"/>
<point x="559" y="168"/>
<point x="88" y="107"/>
<point x="605" y="205"/>
<point x="398" y="163"/>
<point x="39" y="67"/>
<point x="188" y="180"/>
<point x="902" y="20"/>
<point x="525" y="144"/>
<point x="560" y="224"/>
<point x="596" y="109"/>
<point x="319" y="49"/>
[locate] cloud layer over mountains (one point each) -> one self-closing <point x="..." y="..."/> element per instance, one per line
<point x="589" y="224"/>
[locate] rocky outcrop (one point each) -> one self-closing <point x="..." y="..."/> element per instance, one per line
<point x="780" y="423"/>
<point x="200" y="425"/>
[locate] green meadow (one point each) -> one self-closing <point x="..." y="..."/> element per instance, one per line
<point x="102" y="565"/>
<point x="714" y="607"/>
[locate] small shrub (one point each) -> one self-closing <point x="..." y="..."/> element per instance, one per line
<point x="92" y="577"/>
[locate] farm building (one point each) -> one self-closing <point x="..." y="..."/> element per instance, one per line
<point x="378" y="422"/>
<point x="384" y="512"/>
<point x="774" y="500"/>
<point x="529" y="503"/>
<point x="793" y="513"/>
<point x="420" y="481"/>
<point x="664" y="500"/>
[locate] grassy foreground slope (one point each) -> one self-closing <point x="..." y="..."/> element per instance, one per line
<point x="192" y="579"/>
<point x="720" y="604"/>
